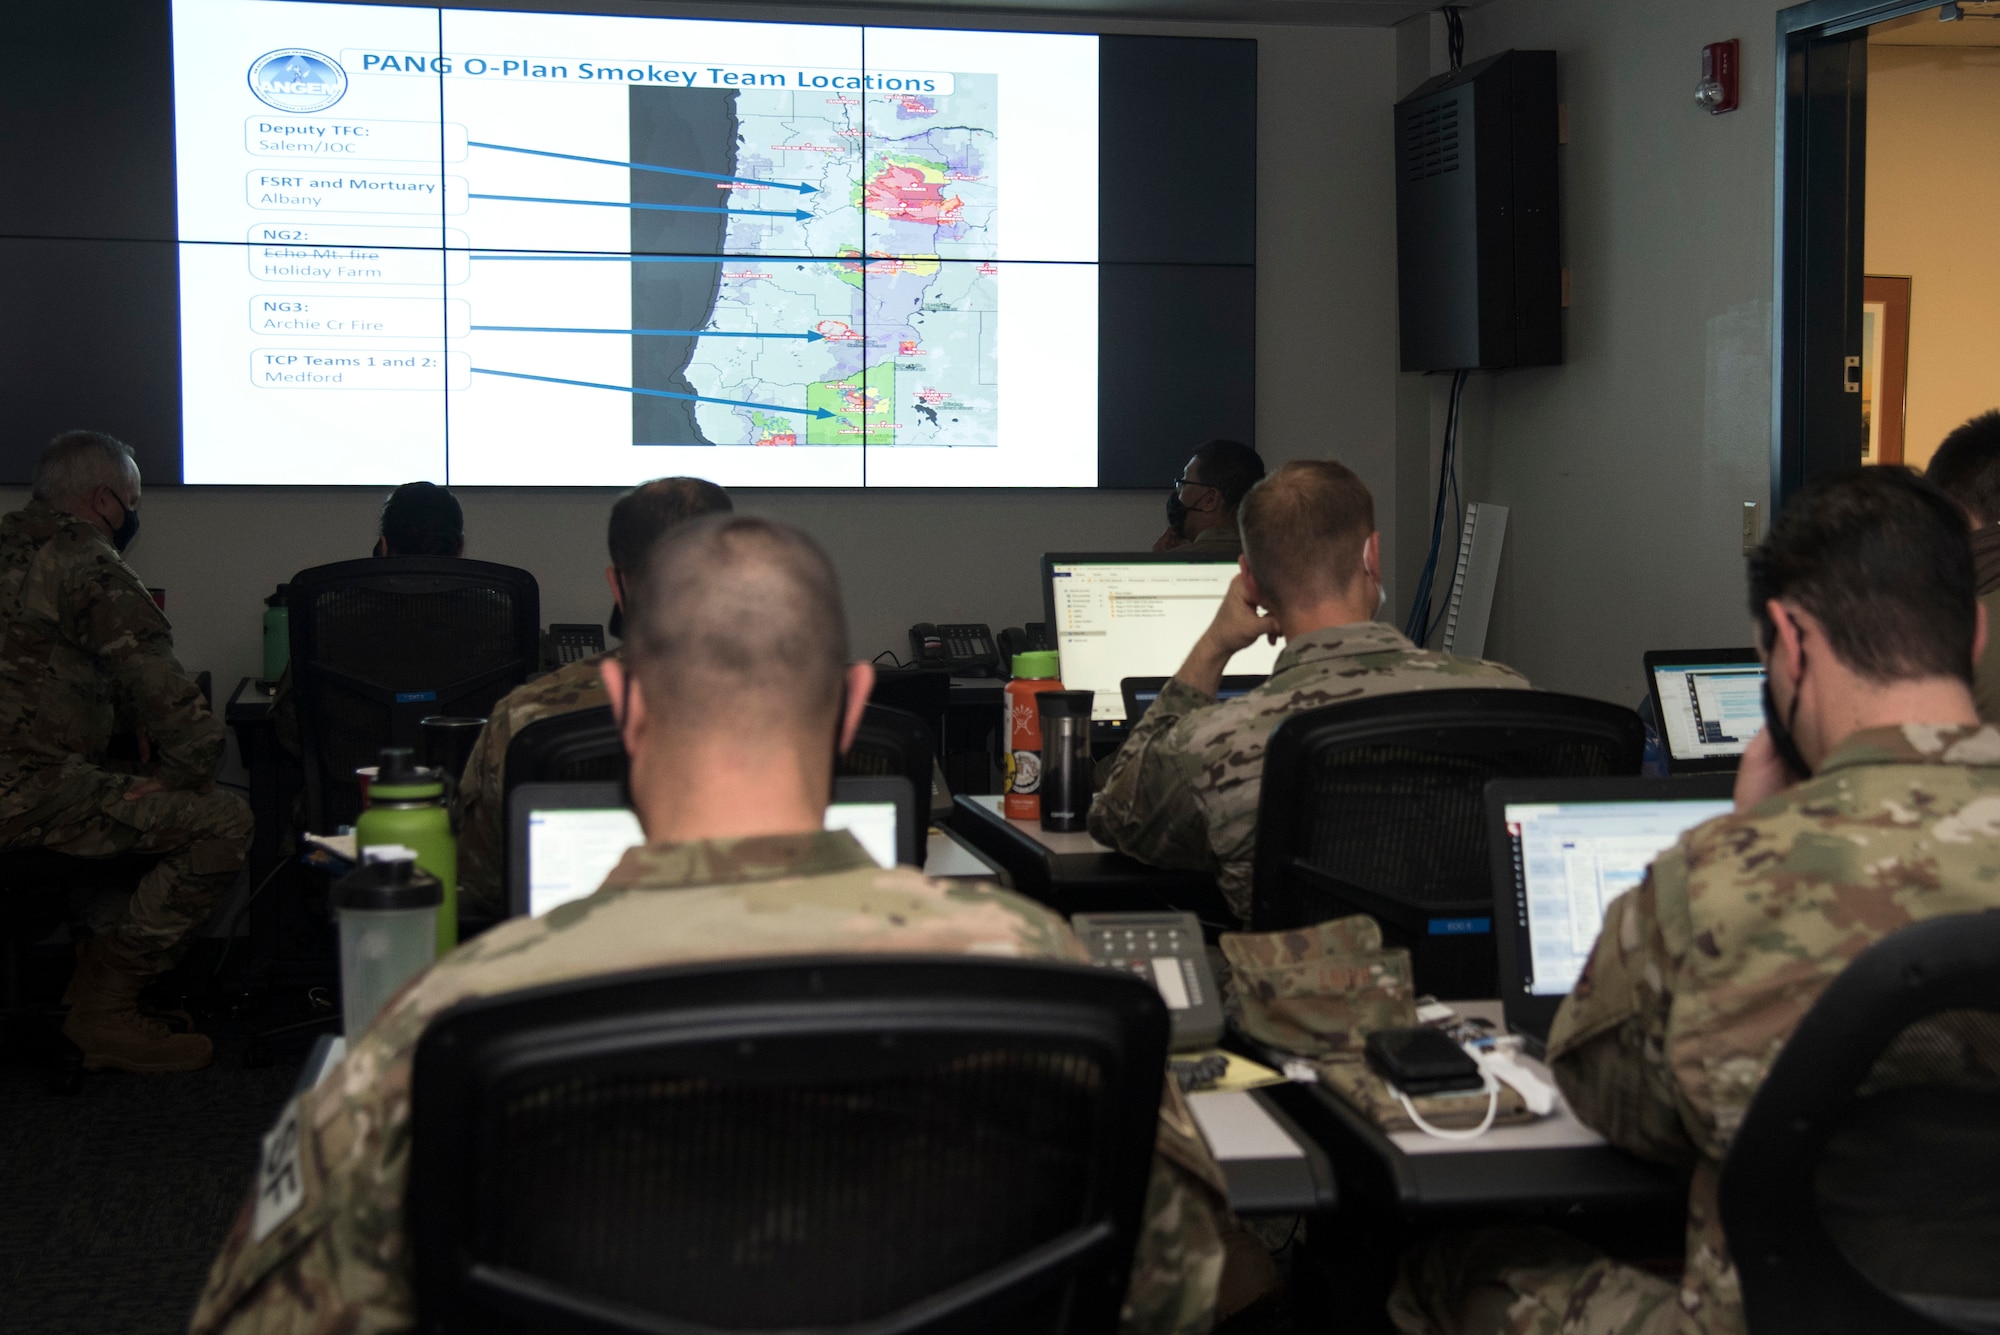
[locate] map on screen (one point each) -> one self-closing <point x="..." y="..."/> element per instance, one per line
<point x="501" y="248"/>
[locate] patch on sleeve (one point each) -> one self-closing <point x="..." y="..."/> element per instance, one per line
<point x="281" y="1186"/>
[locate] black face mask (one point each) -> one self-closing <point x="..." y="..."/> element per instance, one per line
<point x="1177" y="513"/>
<point x="128" y="528"/>
<point x="1782" y="740"/>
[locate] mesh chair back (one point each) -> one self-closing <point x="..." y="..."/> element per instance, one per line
<point x="925" y="692"/>
<point x="1378" y="806"/>
<point x="874" y="1144"/>
<point x="380" y="643"/>
<point x="578" y="747"/>
<point x="891" y="742"/>
<point x="1862" y="1191"/>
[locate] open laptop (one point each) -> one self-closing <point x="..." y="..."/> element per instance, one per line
<point x="1710" y="704"/>
<point x="564" y="838"/>
<point x="1563" y="849"/>
<point x="1117" y="615"/>
<point x="1140" y="692"/>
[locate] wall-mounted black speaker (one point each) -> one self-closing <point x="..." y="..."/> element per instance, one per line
<point x="1478" y="246"/>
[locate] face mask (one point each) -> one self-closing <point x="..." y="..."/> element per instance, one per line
<point x="1782" y="740"/>
<point x="128" y="528"/>
<point x="1177" y="513"/>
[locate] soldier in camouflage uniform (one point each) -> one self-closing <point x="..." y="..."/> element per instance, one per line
<point x="1201" y="509"/>
<point x="87" y="658"/>
<point x="728" y="719"/>
<point x="640" y="516"/>
<point x="1863" y="594"/>
<point x="1182" y="791"/>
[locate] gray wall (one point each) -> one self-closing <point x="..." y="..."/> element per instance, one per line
<point x="1326" y="385"/>
<point x="1626" y="468"/>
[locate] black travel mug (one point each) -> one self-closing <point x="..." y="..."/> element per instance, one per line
<point x="1066" y="785"/>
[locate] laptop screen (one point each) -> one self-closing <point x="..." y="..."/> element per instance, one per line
<point x="571" y="850"/>
<point x="1709" y="710"/>
<point x="1127" y="616"/>
<point x="1571" y="859"/>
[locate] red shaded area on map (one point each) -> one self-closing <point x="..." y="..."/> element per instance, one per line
<point x="902" y="192"/>
<point x="780" y="438"/>
<point x="837" y="331"/>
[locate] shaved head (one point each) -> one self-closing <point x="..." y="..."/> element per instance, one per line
<point x="1304" y="528"/>
<point x="734" y="622"/>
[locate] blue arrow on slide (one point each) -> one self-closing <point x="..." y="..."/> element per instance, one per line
<point x="810" y="336"/>
<point x="800" y="214"/>
<point x="646" y="167"/>
<point x="661" y="393"/>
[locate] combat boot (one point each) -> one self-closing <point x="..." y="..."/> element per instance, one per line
<point x="104" y="1020"/>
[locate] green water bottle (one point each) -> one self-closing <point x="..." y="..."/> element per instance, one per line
<point x="406" y="806"/>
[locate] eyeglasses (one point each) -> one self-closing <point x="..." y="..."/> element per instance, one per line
<point x="1185" y="481"/>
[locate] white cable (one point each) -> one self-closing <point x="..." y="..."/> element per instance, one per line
<point x="1492" y="1111"/>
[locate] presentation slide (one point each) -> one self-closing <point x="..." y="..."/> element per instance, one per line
<point x="499" y="249"/>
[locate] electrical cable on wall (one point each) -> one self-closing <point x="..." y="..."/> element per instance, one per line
<point x="1420" y="625"/>
<point x="1454" y="34"/>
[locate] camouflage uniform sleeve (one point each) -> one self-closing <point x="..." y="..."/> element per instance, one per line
<point x="1177" y="1267"/>
<point x="1608" y="1046"/>
<point x="112" y="617"/>
<point x="482" y="819"/>
<point x="1148" y="806"/>
<point x="320" y="1245"/>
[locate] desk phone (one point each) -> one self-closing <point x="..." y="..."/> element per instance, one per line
<point x="1166" y="950"/>
<point x="567" y="642"/>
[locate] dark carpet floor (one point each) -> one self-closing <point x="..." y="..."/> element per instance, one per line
<point x="114" y="1200"/>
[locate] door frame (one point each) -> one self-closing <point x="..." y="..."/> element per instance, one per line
<point x="1817" y="280"/>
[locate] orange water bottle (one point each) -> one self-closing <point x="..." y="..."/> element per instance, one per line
<point x="1034" y="672"/>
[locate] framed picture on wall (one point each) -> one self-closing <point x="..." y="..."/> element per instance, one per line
<point x="1885" y="365"/>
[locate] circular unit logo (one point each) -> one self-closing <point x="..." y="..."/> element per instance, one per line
<point x="295" y="79"/>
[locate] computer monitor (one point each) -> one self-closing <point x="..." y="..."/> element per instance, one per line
<point x="1563" y="849"/>
<point x="1118" y="615"/>
<point x="566" y="837"/>
<point x="1710" y="703"/>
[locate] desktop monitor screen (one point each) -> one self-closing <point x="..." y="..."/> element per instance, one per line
<point x="1570" y="847"/>
<point x="1117" y="616"/>
<point x="1710" y="702"/>
<point x="573" y="846"/>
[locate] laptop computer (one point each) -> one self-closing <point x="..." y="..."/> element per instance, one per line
<point x="1563" y="849"/>
<point x="1140" y="692"/>
<point x="1121" y="614"/>
<point x="564" y="838"/>
<point x="1710" y="703"/>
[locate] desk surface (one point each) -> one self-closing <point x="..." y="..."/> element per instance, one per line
<point x="945" y="857"/>
<point x="1073" y="873"/>
<point x="1553" y="1163"/>
<point x="1056" y="841"/>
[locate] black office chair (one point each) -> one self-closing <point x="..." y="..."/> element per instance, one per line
<point x="1378" y="806"/>
<point x="380" y="643"/>
<point x="1862" y="1191"/>
<point x="872" y="1144"/>
<point x="925" y="692"/>
<point x="892" y="742"/>
<point x="581" y="746"/>
<point x="39" y="883"/>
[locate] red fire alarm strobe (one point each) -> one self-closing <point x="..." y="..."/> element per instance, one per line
<point x="1717" y="89"/>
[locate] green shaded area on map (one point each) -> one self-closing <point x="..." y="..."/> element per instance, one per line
<point x="865" y="404"/>
<point x="766" y="429"/>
